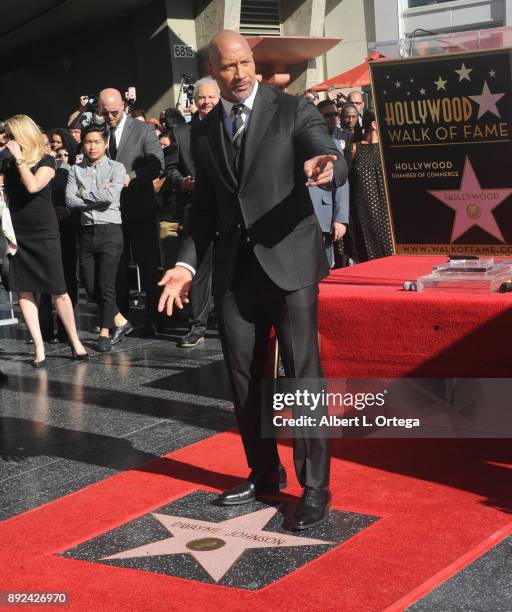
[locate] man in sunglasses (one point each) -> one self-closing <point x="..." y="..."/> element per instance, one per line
<point x="135" y="144"/>
<point x="342" y="136"/>
<point x="332" y="206"/>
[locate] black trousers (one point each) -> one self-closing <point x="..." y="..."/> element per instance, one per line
<point x="69" y="248"/>
<point x="142" y="235"/>
<point x="201" y="295"/>
<point x="100" y="249"/>
<point x="246" y="314"/>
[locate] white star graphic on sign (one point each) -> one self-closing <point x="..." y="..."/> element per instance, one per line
<point x="216" y="546"/>
<point x="440" y="84"/>
<point x="463" y="73"/>
<point x="398" y="84"/>
<point x="492" y="73"/>
<point x="423" y="91"/>
<point x="487" y="101"/>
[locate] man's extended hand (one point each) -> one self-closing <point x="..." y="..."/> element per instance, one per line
<point x="338" y="230"/>
<point x="319" y="170"/>
<point x="176" y="283"/>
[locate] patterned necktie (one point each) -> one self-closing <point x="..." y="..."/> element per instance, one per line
<point x="112" y="145"/>
<point x="238" y="126"/>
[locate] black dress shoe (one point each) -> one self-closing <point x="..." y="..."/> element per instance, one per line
<point x="3" y="378"/>
<point x="190" y="339"/>
<point x="312" y="510"/>
<point x="121" y="331"/>
<point x="248" y="490"/>
<point x="104" y="344"/>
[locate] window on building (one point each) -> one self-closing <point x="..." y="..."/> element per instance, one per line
<point x="415" y="3"/>
<point x="260" y="17"/>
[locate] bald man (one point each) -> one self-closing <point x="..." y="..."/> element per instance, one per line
<point x="254" y="154"/>
<point x="136" y="145"/>
<point x="357" y="98"/>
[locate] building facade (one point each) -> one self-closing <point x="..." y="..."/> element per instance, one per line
<point x="400" y="19"/>
<point x="53" y="51"/>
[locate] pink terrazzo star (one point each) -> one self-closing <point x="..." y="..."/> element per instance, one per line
<point x="217" y="546"/>
<point x="472" y="204"/>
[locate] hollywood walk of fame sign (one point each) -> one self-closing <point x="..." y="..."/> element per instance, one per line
<point x="243" y="547"/>
<point x="446" y="144"/>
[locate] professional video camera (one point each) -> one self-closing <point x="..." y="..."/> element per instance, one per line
<point x="91" y="103"/>
<point x="187" y="88"/>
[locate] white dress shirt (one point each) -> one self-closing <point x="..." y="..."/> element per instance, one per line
<point x="229" y="116"/>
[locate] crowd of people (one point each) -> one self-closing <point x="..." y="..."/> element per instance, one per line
<point x="115" y="186"/>
<point x="250" y="197"/>
<point x="360" y="205"/>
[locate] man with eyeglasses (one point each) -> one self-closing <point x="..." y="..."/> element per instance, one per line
<point x="357" y="98"/>
<point x="135" y="144"/>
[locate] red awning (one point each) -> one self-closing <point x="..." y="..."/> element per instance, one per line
<point x="357" y="77"/>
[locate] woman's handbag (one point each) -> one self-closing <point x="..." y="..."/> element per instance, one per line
<point x="8" y="244"/>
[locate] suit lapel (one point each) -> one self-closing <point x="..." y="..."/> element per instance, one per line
<point x="218" y="144"/>
<point x="262" y="114"/>
<point x="125" y="135"/>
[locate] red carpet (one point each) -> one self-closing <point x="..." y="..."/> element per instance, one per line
<point x="438" y="501"/>
<point x="370" y="327"/>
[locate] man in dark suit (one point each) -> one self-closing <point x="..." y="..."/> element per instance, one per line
<point x="341" y="136"/>
<point x="135" y="144"/>
<point x="332" y="207"/>
<point x="181" y="170"/>
<point x="253" y="154"/>
<point x="332" y="212"/>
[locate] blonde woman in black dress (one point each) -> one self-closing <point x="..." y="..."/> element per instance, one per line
<point x="37" y="266"/>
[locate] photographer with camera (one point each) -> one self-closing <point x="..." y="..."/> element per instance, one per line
<point x="336" y="96"/>
<point x="85" y="114"/>
<point x="130" y="97"/>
